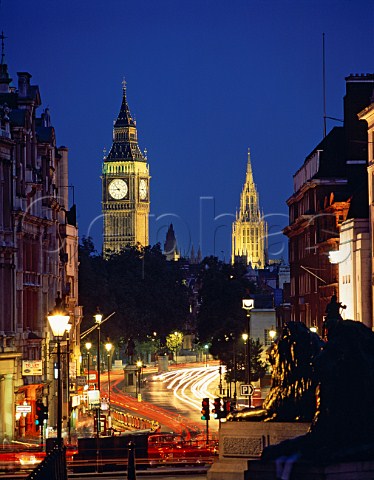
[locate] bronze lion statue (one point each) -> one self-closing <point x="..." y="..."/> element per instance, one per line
<point x="292" y="394"/>
<point x="342" y="428"/>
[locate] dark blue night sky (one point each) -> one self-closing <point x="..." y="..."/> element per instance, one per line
<point x="206" y="80"/>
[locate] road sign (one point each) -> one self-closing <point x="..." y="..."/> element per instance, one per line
<point x="23" y="408"/>
<point x="247" y="390"/>
<point x="81" y="380"/>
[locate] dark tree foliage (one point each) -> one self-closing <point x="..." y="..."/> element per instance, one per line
<point x="145" y="291"/>
<point x="223" y="287"/>
<point x="222" y="320"/>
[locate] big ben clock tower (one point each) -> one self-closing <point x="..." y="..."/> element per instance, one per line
<point x="125" y="187"/>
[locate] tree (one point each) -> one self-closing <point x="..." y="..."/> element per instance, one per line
<point x="174" y="342"/>
<point x="221" y="319"/>
<point x="145" y="291"/>
<point x="222" y="288"/>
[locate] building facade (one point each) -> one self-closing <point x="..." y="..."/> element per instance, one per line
<point x="125" y="187"/>
<point x="329" y="189"/>
<point x="249" y="230"/>
<point x="367" y="115"/>
<point x="353" y="259"/>
<point x="38" y="255"/>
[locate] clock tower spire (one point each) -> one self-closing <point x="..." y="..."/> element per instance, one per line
<point x="125" y="186"/>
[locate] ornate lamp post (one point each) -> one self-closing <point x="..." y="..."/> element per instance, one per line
<point x="58" y="320"/>
<point x="68" y="328"/>
<point x="247" y="305"/>
<point x="176" y="347"/>
<point x="245" y="337"/>
<point x="98" y="318"/>
<point x="206" y="348"/>
<point x="139" y="364"/>
<point x="88" y="346"/>
<point x="108" y="347"/>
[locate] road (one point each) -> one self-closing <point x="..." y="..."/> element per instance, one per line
<point x="144" y="475"/>
<point x="172" y="398"/>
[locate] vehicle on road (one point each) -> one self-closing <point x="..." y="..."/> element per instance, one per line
<point x="168" y="446"/>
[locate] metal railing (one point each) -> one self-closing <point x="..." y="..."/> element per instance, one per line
<point x="53" y="467"/>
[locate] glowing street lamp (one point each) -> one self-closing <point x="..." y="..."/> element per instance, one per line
<point x="206" y="348"/>
<point x="98" y="319"/>
<point x="247" y="305"/>
<point x="272" y="334"/>
<point x="68" y="328"/>
<point x="108" y="348"/>
<point x="245" y="340"/>
<point x="58" y="320"/>
<point x="139" y="364"/>
<point x="88" y="346"/>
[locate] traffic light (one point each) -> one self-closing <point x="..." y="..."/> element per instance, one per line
<point x="217" y="410"/>
<point x="45" y="412"/>
<point x="226" y="408"/>
<point x="205" y="413"/>
<point x="39" y="412"/>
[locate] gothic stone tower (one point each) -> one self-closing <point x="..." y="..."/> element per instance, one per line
<point x="249" y="231"/>
<point x="125" y="187"/>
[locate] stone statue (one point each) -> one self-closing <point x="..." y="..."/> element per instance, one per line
<point x="292" y="394"/>
<point x="130" y="349"/>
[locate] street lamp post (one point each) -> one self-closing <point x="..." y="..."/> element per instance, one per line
<point x="206" y="348"/>
<point x="88" y="346"/>
<point x="98" y="318"/>
<point x="58" y="319"/>
<point x="247" y="305"/>
<point x="176" y="347"/>
<point x="68" y="328"/>
<point x="108" y="347"/>
<point x="139" y="364"/>
<point x="245" y="340"/>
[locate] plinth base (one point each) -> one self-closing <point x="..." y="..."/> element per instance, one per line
<point x="258" y="470"/>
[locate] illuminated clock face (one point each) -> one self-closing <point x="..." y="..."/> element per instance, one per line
<point x="118" y="189"/>
<point x="143" y="189"/>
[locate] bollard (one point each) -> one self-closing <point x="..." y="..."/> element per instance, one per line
<point x="131" y="475"/>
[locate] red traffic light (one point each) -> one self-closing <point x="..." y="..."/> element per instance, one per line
<point x="217" y="408"/>
<point x="205" y="413"/>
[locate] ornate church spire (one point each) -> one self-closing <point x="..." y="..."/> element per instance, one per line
<point x="249" y="174"/>
<point x="249" y="235"/>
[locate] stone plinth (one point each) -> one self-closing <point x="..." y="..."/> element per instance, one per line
<point x="242" y="441"/>
<point x="130" y="383"/>
<point x="258" y="470"/>
<point x="163" y="363"/>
